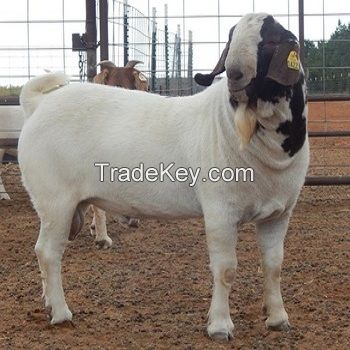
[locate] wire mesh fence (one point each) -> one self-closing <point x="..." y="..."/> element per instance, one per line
<point x="176" y="40"/>
<point x="135" y="35"/>
<point x="35" y="38"/>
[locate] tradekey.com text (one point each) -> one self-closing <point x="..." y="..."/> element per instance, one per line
<point x="168" y="172"/>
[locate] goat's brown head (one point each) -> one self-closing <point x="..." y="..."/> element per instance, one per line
<point x="126" y="77"/>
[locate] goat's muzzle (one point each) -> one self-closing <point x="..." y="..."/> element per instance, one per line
<point x="234" y="74"/>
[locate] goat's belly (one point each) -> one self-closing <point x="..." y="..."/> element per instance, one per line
<point x="164" y="201"/>
<point x="157" y="210"/>
<point x="129" y="191"/>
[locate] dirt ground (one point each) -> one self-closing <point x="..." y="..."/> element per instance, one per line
<point x="152" y="289"/>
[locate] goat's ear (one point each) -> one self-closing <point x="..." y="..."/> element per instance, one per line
<point x="102" y="78"/>
<point x="285" y="64"/>
<point x="141" y="82"/>
<point x="106" y="67"/>
<point x="106" y="75"/>
<point x="207" y="79"/>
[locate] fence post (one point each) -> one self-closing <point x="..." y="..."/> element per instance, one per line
<point x="126" y="33"/>
<point x="178" y="59"/>
<point x="166" y="43"/>
<point x="301" y="32"/>
<point x="153" y="53"/>
<point x="103" y="30"/>
<point x="190" y="61"/>
<point x="91" y="38"/>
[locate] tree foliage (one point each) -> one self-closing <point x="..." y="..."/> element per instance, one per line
<point x="328" y="62"/>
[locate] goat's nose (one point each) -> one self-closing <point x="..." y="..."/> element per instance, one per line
<point x="235" y="74"/>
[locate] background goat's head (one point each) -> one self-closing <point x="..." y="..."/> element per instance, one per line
<point x="127" y="77"/>
<point x="261" y="60"/>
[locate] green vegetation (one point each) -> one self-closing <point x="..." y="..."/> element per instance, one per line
<point x="328" y="62"/>
<point x="10" y="90"/>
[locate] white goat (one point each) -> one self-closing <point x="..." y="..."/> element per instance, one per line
<point x="11" y="122"/>
<point x="260" y="105"/>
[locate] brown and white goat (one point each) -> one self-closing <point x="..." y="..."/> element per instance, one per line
<point x="127" y="77"/>
<point x="130" y="78"/>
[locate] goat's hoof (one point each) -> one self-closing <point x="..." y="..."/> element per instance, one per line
<point x="104" y="243"/>
<point x="128" y="222"/>
<point x="221" y="336"/>
<point x="134" y="223"/>
<point x="279" y="326"/>
<point x="221" y="331"/>
<point x="62" y="316"/>
<point x="4" y="196"/>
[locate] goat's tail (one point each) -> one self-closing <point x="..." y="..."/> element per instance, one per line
<point x="35" y="89"/>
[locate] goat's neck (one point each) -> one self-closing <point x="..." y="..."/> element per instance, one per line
<point x="276" y="124"/>
<point x="281" y="130"/>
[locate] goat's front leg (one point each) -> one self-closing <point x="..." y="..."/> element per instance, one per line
<point x="99" y="228"/>
<point x="3" y="194"/>
<point x="221" y="239"/>
<point x="271" y="238"/>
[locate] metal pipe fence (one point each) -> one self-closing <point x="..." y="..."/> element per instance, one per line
<point x="176" y="42"/>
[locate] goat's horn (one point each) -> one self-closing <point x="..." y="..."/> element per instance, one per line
<point x="106" y="64"/>
<point x="207" y="79"/>
<point x="133" y="63"/>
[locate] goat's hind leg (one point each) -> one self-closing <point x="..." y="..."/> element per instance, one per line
<point x="270" y="236"/>
<point x="50" y="246"/>
<point x="99" y="229"/>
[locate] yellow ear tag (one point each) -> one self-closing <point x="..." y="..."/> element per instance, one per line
<point x="293" y="60"/>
